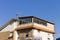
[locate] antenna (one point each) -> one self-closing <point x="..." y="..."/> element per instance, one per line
<point x="17" y="15"/>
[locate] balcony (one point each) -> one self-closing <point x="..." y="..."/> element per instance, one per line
<point x="29" y="19"/>
<point x="36" y="26"/>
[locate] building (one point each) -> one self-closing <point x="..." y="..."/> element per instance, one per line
<point x="27" y="28"/>
<point x="58" y="39"/>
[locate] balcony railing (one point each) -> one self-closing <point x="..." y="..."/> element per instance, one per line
<point x="29" y="20"/>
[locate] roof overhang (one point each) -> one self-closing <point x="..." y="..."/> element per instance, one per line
<point x="9" y="22"/>
<point x="36" y="26"/>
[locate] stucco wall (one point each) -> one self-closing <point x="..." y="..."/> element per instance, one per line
<point x="42" y="35"/>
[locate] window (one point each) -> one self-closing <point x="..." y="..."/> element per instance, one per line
<point x="39" y="21"/>
<point x="35" y="20"/>
<point x="43" y="22"/>
<point x="28" y="37"/>
<point x="26" y="20"/>
<point x="11" y="35"/>
<point x="27" y="34"/>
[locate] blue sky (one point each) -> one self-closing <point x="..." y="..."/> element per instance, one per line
<point x="46" y="9"/>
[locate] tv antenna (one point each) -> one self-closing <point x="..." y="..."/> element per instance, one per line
<point x="17" y="16"/>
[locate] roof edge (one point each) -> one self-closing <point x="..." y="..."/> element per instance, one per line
<point x="37" y="18"/>
<point x="9" y="22"/>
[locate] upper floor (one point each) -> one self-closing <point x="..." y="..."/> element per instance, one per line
<point x="32" y="19"/>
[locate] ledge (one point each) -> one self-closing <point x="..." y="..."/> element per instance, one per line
<point x="36" y="26"/>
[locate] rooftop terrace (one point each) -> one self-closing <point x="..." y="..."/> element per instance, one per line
<point x="29" y="19"/>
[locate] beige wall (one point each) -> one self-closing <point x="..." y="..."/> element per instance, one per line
<point x="4" y="35"/>
<point x="51" y="26"/>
